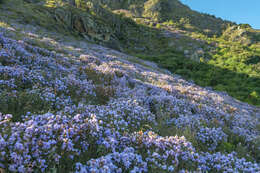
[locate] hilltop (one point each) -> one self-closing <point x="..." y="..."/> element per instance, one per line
<point x="117" y="86"/>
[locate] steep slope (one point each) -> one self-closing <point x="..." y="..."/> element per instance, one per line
<point x="68" y="102"/>
<point x="243" y="34"/>
<point x="166" y="10"/>
<point x="178" y="45"/>
<point x="70" y="105"/>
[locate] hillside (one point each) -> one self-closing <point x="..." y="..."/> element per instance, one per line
<point x="209" y="58"/>
<point x="166" y="10"/>
<point x="85" y="88"/>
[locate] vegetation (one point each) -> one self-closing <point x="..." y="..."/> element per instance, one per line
<point x="233" y="69"/>
<point x="227" y="62"/>
<point x="78" y="106"/>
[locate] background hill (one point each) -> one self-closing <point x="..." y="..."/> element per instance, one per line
<point x="171" y="10"/>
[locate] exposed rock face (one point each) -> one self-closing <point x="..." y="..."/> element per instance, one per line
<point x="83" y="24"/>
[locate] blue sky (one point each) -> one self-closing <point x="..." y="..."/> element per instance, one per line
<point x="239" y="11"/>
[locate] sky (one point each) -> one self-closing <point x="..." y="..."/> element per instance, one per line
<point x="239" y="11"/>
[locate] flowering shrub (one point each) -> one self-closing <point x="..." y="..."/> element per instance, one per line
<point x="218" y="162"/>
<point x="42" y="142"/>
<point x="211" y="137"/>
<point x="126" y="161"/>
<point x="97" y="112"/>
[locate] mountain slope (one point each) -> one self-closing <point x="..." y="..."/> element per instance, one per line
<point x="179" y="45"/>
<point x="128" y="98"/>
<point x="71" y="105"/>
<point x="165" y="10"/>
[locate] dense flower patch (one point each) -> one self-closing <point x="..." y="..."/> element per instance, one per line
<point x="211" y="137"/>
<point x="94" y="111"/>
<point x="43" y="141"/>
<point x="115" y="162"/>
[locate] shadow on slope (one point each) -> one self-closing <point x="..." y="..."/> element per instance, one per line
<point x="238" y="85"/>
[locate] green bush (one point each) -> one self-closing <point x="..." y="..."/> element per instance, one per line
<point x="20" y="104"/>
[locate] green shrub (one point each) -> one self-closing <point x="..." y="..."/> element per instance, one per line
<point x="21" y="103"/>
<point x="158" y="26"/>
<point x="226" y="147"/>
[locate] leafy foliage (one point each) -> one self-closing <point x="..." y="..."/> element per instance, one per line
<point x="224" y="72"/>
